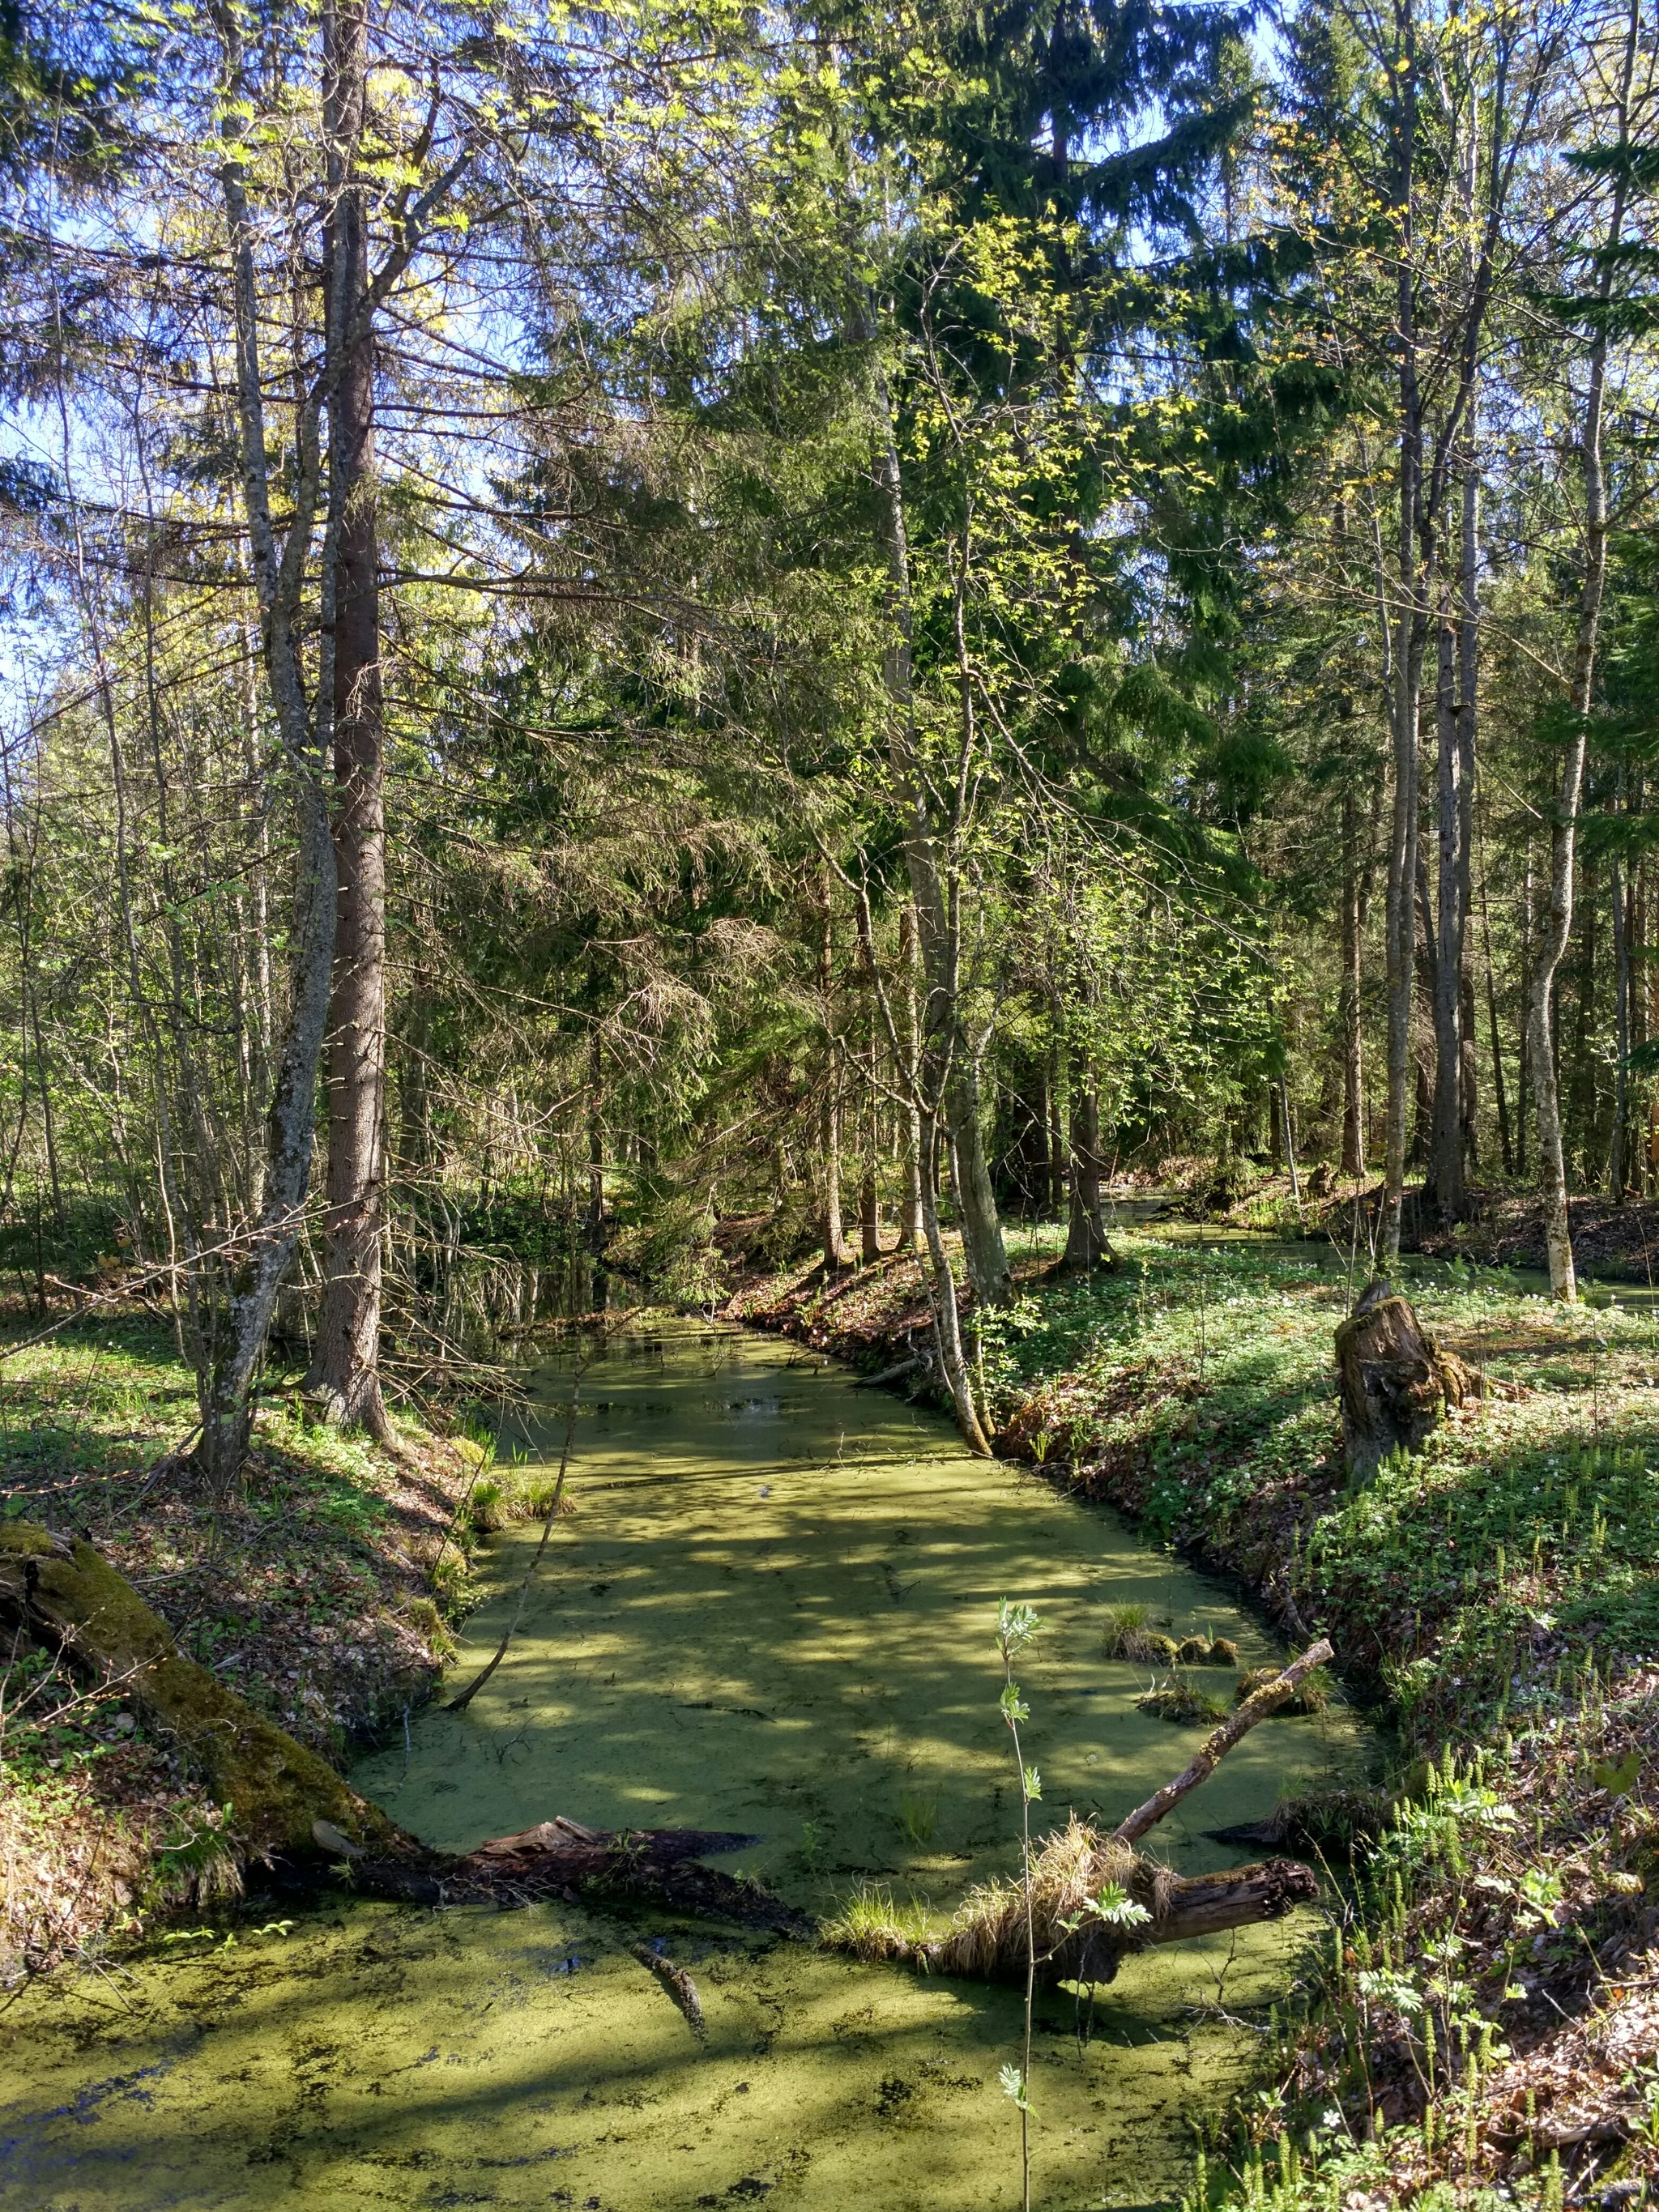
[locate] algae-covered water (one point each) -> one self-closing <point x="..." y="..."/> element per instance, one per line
<point x="772" y="1612"/>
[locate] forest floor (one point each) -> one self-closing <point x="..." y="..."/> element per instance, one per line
<point x="1504" y="1229"/>
<point x="327" y="1597"/>
<point x="1496" y="1600"/>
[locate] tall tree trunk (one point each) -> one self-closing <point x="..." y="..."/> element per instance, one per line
<point x="1558" y="921"/>
<point x="231" y="1360"/>
<point x="1524" y="1056"/>
<point x="1617" y="1150"/>
<point x="1445" y="1175"/>
<point x="1499" y="1090"/>
<point x="869" y="1218"/>
<point x="947" y="1049"/>
<point x="1087" y="1245"/>
<point x="1401" y="928"/>
<point x="594" y="1219"/>
<point x="911" y="1235"/>
<point x="345" y="1366"/>
<point x="1349" y="1003"/>
<point x="942" y="1296"/>
<point x="1468" y="678"/>
<point x="831" y="1226"/>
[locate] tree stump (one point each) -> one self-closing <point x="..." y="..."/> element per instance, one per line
<point x="1396" y="1383"/>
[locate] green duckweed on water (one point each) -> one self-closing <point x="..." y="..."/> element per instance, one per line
<point x="772" y="1612"/>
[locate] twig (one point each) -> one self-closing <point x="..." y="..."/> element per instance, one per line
<point x="459" y="1704"/>
<point x="679" y="1985"/>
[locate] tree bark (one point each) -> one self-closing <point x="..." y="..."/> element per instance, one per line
<point x="344" y="1374"/>
<point x="1445" y="1176"/>
<point x="1087" y="1244"/>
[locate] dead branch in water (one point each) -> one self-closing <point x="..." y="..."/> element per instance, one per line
<point x="1216" y="1746"/>
<point x="679" y="1985"/>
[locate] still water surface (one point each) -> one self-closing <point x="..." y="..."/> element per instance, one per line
<point x="772" y="1612"/>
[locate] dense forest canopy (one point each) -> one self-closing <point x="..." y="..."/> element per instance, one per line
<point x="857" y="618"/>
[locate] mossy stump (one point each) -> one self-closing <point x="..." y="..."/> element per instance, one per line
<point x="1396" y="1383"/>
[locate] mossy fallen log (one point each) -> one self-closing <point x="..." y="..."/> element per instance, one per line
<point x="292" y="1814"/>
<point x="64" y="1592"/>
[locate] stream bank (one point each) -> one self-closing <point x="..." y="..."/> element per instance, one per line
<point x="1497" y="1597"/>
<point x="328" y="1598"/>
<point x="771" y="1612"/>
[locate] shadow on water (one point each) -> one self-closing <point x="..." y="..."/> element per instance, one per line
<point x="771" y="1612"/>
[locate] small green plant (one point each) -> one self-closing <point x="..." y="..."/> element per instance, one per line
<point x="811" y="1846"/>
<point x="918" y="1815"/>
<point x="872" y="1925"/>
<point x="486" y="1508"/>
<point x="1017" y="1627"/>
<point x="1182" y="1703"/>
<point x="1130" y="1635"/>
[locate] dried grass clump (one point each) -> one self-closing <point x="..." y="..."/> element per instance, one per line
<point x="985" y="1939"/>
<point x="1130" y="1635"/>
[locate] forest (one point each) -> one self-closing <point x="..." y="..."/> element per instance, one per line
<point x="969" y="687"/>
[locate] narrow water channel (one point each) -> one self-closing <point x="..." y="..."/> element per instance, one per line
<point x="771" y="1612"/>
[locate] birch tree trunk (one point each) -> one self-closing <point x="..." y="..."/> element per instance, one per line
<point x="239" y="1330"/>
<point x="1446" y="1144"/>
<point x="945" y="1045"/>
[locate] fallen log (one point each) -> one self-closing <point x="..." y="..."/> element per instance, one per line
<point x="66" y="1594"/>
<point x="290" y="1813"/>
